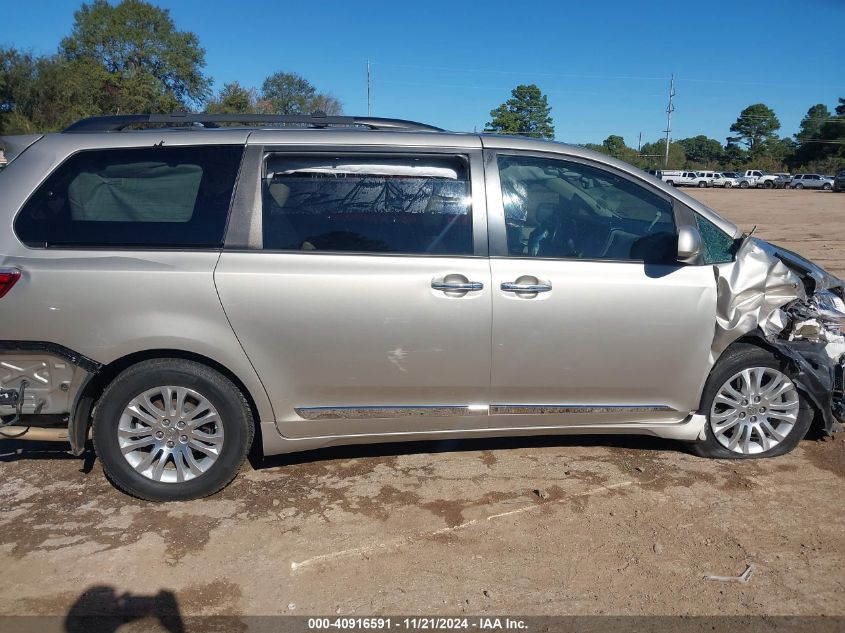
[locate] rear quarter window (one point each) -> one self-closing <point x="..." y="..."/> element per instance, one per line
<point x="151" y="197"/>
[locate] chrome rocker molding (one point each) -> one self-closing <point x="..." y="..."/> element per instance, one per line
<point x="557" y="409"/>
<point x="358" y="413"/>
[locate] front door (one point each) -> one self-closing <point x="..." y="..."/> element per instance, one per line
<point x="594" y="321"/>
<point x="366" y="306"/>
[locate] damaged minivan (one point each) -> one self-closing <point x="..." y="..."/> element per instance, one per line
<point x="176" y="288"/>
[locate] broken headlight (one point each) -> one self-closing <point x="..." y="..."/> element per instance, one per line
<point x="829" y="308"/>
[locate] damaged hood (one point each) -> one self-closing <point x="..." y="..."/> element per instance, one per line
<point x="753" y="290"/>
<point x="822" y="280"/>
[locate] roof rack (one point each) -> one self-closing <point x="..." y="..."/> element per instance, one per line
<point x="116" y="123"/>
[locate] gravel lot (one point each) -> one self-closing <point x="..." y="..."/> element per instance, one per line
<point x="540" y="526"/>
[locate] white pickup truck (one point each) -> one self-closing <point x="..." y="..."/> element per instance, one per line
<point x="757" y="178"/>
<point x="685" y="179"/>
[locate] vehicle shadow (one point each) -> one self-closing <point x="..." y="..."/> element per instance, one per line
<point x="22" y="450"/>
<point x="100" y="609"/>
<point x="394" y="449"/>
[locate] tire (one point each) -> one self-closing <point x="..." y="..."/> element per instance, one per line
<point x="728" y="185"/>
<point x="791" y="430"/>
<point x="743" y="185"/>
<point x="799" y="186"/>
<point x="671" y="183"/>
<point x="768" y="184"/>
<point x="827" y="187"/>
<point x="185" y="472"/>
<point x="702" y="185"/>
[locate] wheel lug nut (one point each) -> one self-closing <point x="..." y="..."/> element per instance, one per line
<point x="745" y="403"/>
<point x="742" y="415"/>
<point x="159" y="434"/>
<point x="757" y="399"/>
<point x="170" y="444"/>
<point x="183" y="438"/>
<point x="753" y="418"/>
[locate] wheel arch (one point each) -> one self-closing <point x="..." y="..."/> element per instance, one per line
<point x="756" y="339"/>
<point x="91" y="392"/>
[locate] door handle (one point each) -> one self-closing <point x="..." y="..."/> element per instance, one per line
<point x="457" y="286"/>
<point x="512" y="286"/>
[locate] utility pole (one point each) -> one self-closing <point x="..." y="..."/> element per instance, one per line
<point x="369" y="90"/>
<point x="639" y="142"/>
<point x="669" y="110"/>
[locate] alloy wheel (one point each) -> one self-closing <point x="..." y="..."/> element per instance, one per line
<point x="754" y="410"/>
<point x="170" y="434"/>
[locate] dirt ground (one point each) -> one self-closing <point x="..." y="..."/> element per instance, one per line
<point x="586" y="525"/>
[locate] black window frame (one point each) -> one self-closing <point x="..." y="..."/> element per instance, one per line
<point x="216" y="246"/>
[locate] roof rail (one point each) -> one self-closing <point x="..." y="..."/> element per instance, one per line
<point x="116" y="123"/>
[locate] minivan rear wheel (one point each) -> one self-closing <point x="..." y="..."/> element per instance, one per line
<point x="753" y="407"/>
<point x="172" y="430"/>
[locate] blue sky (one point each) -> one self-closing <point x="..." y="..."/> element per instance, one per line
<point x="604" y="65"/>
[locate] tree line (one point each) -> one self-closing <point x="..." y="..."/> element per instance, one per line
<point x="818" y="146"/>
<point x="130" y="57"/>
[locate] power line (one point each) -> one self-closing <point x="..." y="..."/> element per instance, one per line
<point x="603" y="77"/>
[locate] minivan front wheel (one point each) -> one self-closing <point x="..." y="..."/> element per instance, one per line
<point x="753" y="408"/>
<point x="172" y="429"/>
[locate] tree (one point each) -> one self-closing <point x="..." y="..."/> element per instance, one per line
<point x="702" y="151"/>
<point x="812" y="122"/>
<point x="652" y="155"/>
<point x="234" y="99"/>
<point x="734" y="155"/>
<point x="137" y="56"/>
<point x="526" y="113"/>
<point x="826" y="150"/>
<point x="42" y="93"/>
<point x="289" y="93"/>
<point x="756" y="124"/>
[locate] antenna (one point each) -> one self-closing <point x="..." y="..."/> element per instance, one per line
<point x="669" y="110"/>
<point x="369" y="90"/>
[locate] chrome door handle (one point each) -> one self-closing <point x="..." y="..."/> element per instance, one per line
<point x="459" y="286"/>
<point x="510" y="286"/>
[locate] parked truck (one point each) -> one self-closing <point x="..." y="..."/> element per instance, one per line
<point x="686" y="179"/>
<point x="758" y="178"/>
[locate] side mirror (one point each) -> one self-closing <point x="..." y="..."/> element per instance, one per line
<point x="689" y="244"/>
